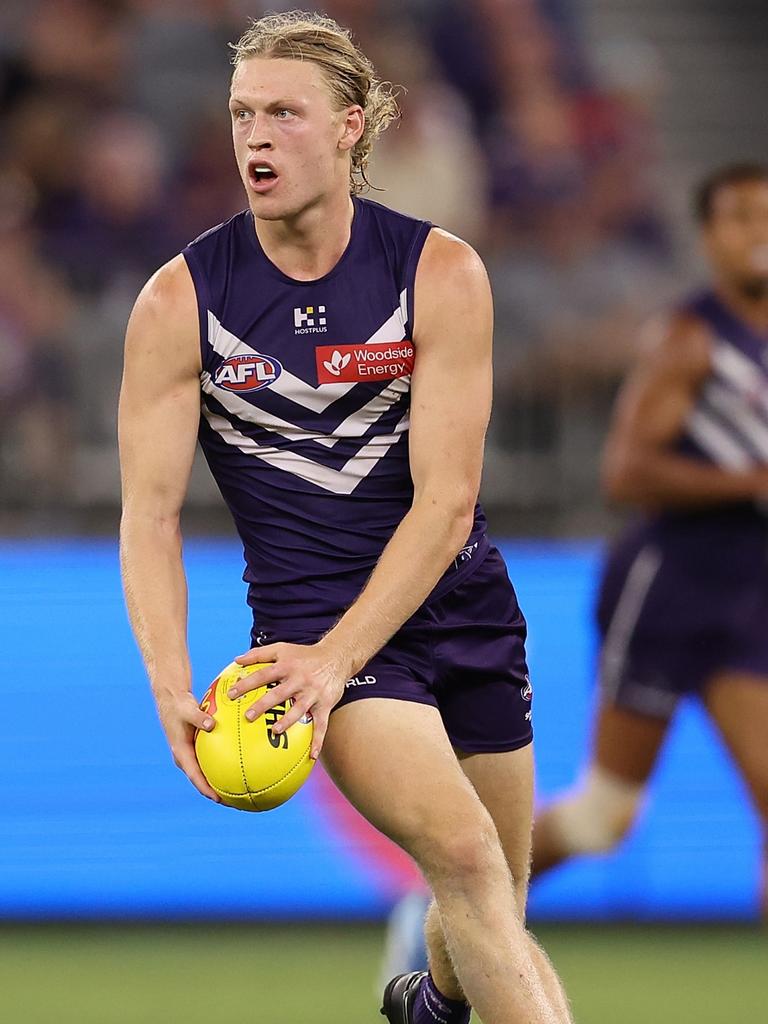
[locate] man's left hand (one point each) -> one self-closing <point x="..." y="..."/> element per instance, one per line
<point x="309" y="675"/>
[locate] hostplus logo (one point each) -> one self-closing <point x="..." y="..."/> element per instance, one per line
<point x="309" y="320"/>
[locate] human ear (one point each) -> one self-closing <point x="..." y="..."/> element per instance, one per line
<point x="352" y="127"/>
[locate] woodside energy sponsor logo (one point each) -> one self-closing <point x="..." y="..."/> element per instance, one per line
<point x="379" y="360"/>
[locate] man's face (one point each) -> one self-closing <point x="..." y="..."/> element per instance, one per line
<point x="283" y="123"/>
<point x="736" y="236"/>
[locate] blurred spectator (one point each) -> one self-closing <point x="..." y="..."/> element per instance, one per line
<point x="616" y="127"/>
<point x="36" y="398"/>
<point x="206" y="189"/>
<point x="179" y="63"/>
<point x="430" y="164"/>
<point x="115" y="227"/>
<point x="43" y="145"/>
<point x="75" y="47"/>
<point x="115" y="151"/>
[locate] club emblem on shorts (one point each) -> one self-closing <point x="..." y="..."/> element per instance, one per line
<point x="247" y="373"/>
<point x="526" y="692"/>
<point x="466" y="553"/>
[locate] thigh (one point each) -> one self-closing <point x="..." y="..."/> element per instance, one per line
<point x="393" y="761"/>
<point x="627" y="743"/>
<point x="504" y="783"/>
<point x="738" y="705"/>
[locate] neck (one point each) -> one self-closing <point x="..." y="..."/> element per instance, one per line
<point x="308" y="245"/>
<point x="753" y="311"/>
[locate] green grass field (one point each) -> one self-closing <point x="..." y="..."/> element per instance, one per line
<point x="203" y="974"/>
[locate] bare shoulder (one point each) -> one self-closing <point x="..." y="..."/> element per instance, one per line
<point x="446" y="258"/>
<point x="169" y="291"/>
<point x="451" y="288"/>
<point x="165" y="315"/>
<point x="679" y="344"/>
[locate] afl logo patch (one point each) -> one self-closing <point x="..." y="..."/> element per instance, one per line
<point x="247" y="373"/>
<point x="526" y="691"/>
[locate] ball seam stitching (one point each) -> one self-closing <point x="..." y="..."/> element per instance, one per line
<point x="239" y="748"/>
<point x="257" y="792"/>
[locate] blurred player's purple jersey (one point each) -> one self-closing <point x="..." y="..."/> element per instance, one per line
<point x="305" y="410"/>
<point x="729" y="422"/>
<point x="685" y="594"/>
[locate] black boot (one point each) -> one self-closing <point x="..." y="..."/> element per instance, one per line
<point x="400" y="995"/>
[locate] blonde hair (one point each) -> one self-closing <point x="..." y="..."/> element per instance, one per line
<point x="351" y="77"/>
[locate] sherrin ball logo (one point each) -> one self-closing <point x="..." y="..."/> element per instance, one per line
<point x="251" y="767"/>
<point x="247" y="373"/>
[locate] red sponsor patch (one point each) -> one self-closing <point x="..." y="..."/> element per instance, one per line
<point x="379" y="360"/>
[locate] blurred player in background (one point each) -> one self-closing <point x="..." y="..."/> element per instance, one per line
<point x="351" y="469"/>
<point x="683" y="602"/>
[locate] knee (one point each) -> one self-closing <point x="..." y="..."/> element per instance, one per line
<point x="466" y="852"/>
<point x="597" y="815"/>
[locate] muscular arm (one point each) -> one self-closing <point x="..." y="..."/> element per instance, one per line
<point x="158" y="420"/>
<point x="640" y="466"/>
<point x="450" y="406"/>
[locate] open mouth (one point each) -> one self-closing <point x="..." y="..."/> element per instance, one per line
<point x="261" y="176"/>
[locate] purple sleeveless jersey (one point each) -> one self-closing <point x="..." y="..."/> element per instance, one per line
<point x="685" y="594"/>
<point x="305" y="411"/>
<point x="728" y="425"/>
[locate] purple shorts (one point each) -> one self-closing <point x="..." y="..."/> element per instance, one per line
<point x="679" y="604"/>
<point x="462" y="653"/>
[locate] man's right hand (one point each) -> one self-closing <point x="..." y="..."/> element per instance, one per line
<point x="181" y="716"/>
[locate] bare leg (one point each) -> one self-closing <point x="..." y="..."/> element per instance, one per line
<point x="444" y="974"/>
<point x="393" y="761"/>
<point x="625" y="749"/>
<point x="504" y="783"/>
<point x="738" y="704"/>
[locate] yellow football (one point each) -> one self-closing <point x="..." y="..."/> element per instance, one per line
<point x="251" y="767"/>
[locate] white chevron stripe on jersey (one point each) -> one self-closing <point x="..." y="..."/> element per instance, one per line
<point x="355" y="425"/>
<point x="403" y="306"/>
<point x="252" y="414"/>
<point x="338" y="481"/>
<point x="317" y="399"/>
<point x="733" y="408"/>
<point x="716" y="442"/>
<point x="739" y="369"/>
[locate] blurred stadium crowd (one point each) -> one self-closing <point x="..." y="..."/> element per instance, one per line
<point x="115" y="151"/>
